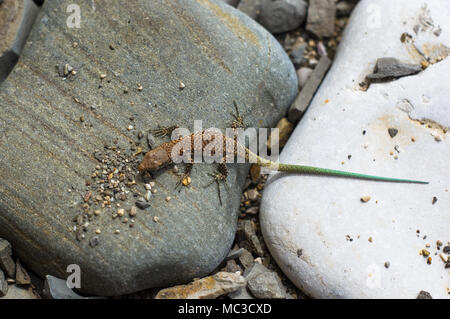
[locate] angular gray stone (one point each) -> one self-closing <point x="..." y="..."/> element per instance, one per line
<point x="252" y="8"/>
<point x="388" y="69"/>
<point x="283" y="15"/>
<point x="246" y="258"/>
<point x="267" y="286"/>
<point x="297" y="54"/>
<point x="217" y="52"/>
<point x="6" y="262"/>
<point x="321" y="17"/>
<point x="15" y="292"/>
<point x="3" y="285"/>
<point x="307" y="93"/>
<point x="55" y="288"/>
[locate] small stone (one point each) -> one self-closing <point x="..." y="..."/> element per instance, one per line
<point x="234" y="254"/>
<point x="392" y="132"/>
<point x="94" y="241"/>
<point x="253" y="194"/>
<point x="285" y="129"/>
<point x="98" y="231"/>
<point x="246" y="258"/>
<point x="443" y="257"/>
<point x="3" y="284"/>
<point x="121" y="212"/>
<point x="365" y="199"/>
<point x="55" y="288"/>
<point x="425" y="252"/>
<point x="168" y="198"/>
<point x="283" y="15"/>
<point x="142" y="204"/>
<point x="6" y="262"/>
<point x="252" y="210"/>
<point x="206" y="288"/>
<point x="303" y="75"/>
<point x="252" y="8"/>
<point x="133" y="211"/>
<point x="252" y="238"/>
<point x="387" y="264"/>
<point x="102" y="76"/>
<point x="424" y="295"/>
<point x="156" y="219"/>
<point x="22" y="277"/>
<point x="434" y="200"/>
<point x="388" y="69"/>
<point x="303" y="99"/>
<point x="446" y="249"/>
<point x="182" y="86"/>
<point x="321" y="17"/>
<point x="267" y="286"/>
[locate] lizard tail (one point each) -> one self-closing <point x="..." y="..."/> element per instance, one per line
<point x="301" y="169"/>
<point x="332" y="172"/>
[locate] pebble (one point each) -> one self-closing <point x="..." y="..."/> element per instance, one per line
<point x="6" y="262"/>
<point x="266" y="286"/>
<point x="387" y="69"/>
<point x="303" y="99"/>
<point x="321" y="17"/>
<point x="285" y="128"/>
<point x="246" y="258"/>
<point x="283" y="15"/>
<point x="94" y="241"/>
<point x="142" y="204"/>
<point x="22" y="277"/>
<point x="424" y="295"/>
<point x="302" y="76"/>
<point x="392" y="132"/>
<point x="133" y="211"/>
<point x="252" y="8"/>
<point x="365" y="199"/>
<point x="210" y="287"/>
<point x="253" y="194"/>
<point x="252" y="238"/>
<point x="121" y="212"/>
<point x="3" y="284"/>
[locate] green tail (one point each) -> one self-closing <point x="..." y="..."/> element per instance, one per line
<point x="332" y="172"/>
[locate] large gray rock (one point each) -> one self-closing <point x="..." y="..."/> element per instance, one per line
<point x="51" y="126"/>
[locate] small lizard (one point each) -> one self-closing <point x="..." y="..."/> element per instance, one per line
<point x="162" y="156"/>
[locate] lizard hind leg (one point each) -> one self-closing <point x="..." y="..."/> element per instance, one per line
<point x="238" y="121"/>
<point x="220" y="176"/>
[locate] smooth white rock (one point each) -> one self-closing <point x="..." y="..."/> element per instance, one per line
<point x="305" y="219"/>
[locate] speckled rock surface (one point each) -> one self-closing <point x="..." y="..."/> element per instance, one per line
<point x="51" y="126"/>
<point x="325" y="239"/>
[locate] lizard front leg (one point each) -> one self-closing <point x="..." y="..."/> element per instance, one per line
<point x="163" y="131"/>
<point x="185" y="176"/>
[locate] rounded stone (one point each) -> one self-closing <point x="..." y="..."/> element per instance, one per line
<point x="345" y="243"/>
<point x="48" y="154"/>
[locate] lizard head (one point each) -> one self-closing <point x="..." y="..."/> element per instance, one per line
<point x="154" y="159"/>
